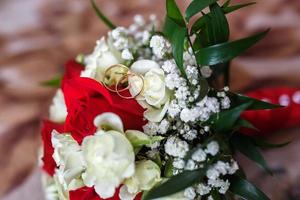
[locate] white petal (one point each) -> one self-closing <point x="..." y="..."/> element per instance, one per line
<point x="125" y="194"/>
<point x="156" y="115"/>
<point x="143" y="66"/>
<point x="109" y="119"/>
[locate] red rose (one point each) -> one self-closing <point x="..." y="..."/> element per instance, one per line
<point x="269" y="121"/>
<point x="86" y="98"/>
<point x="49" y="164"/>
<point x="72" y="70"/>
<point x="87" y="193"/>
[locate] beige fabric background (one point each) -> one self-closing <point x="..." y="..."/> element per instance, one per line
<point x="38" y="36"/>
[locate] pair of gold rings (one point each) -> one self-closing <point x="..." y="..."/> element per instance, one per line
<point x="122" y="83"/>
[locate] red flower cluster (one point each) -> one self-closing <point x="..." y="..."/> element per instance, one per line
<point x="85" y="99"/>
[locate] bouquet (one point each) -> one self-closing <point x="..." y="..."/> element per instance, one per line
<point x="149" y="114"/>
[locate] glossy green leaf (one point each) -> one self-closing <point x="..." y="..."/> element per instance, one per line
<point x="230" y="9"/>
<point x="226" y="4"/>
<point x="242" y="123"/>
<point x="237" y="99"/>
<point x="204" y="88"/>
<point x="174" y="13"/>
<point x="176" y="35"/>
<point x="221" y="53"/>
<point x="196" y="6"/>
<point x="102" y="16"/>
<point x="248" y="148"/>
<point x="266" y="145"/>
<point x="54" y="82"/>
<point x="200" y="22"/>
<point x="176" y="184"/>
<point x="168" y="28"/>
<point x="219" y="32"/>
<point x="168" y="171"/>
<point x="246" y="190"/>
<point x="225" y="120"/>
<point x="178" y="48"/>
<point x="215" y="28"/>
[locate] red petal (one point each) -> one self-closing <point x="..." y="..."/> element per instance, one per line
<point x="47" y="128"/>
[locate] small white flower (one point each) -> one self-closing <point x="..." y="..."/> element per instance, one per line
<point x="203" y="189"/>
<point x="212" y="173"/>
<point x="109" y="160"/>
<point x="219" y="183"/>
<point x="233" y="167"/>
<point x="58" y="110"/>
<point x="206" y="71"/>
<point x="163" y="126"/>
<point x="199" y="155"/>
<point x="210" y="197"/>
<point x="190" y="165"/>
<point x="190" y="193"/>
<point x="139" y="20"/>
<point x="176" y="147"/>
<point x="225" y="103"/>
<point x="212" y="148"/>
<point x="151" y="128"/>
<point x="127" y="55"/>
<point x="178" y="163"/>
<point x="160" y="46"/>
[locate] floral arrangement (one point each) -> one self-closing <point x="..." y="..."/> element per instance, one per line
<point x="146" y="115"/>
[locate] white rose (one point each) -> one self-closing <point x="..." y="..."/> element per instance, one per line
<point x="69" y="159"/>
<point x="154" y="95"/>
<point x="109" y="160"/>
<point x="103" y="56"/>
<point x="58" y="109"/>
<point x="146" y="176"/>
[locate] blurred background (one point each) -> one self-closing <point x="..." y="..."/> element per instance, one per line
<point x="38" y="36"/>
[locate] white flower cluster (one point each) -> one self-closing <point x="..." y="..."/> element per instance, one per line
<point x="160" y="46"/>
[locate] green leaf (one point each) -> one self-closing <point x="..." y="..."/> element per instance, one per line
<point x="200" y="23"/>
<point x="102" y="16"/>
<point x="214" y="27"/>
<point x="54" y="82"/>
<point x="168" y="28"/>
<point x="237" y="99"/>
<point x="197" y="6"/>
<point x="220" y="24"/>
<point x="221" y="53"/>
<point x="176" y="184"/>
<point x="168" y="171"/>
<point x="230" y="9"/>
<point x="175" y="30"/>
<point x="241" y="123"/>
<point x="174" y="13"/>
<point x="178" y="48"/>
<point x="204" y="88"/>
<point x="247" y="147"/>
<point x="225" y="120"/>
<point x="246" y="190"/>
<point x="266" y="145"/>
<point x="226" y="4"/>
